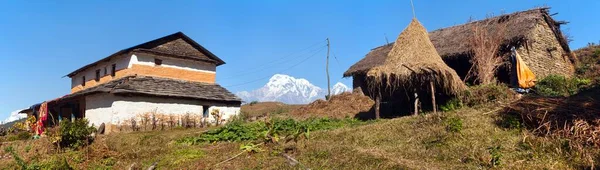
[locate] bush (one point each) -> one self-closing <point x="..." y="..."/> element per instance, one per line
<point x="596" y="53"/>
<point x="556" y="85"/>
<point x="454" y="124"/>
<point x="253" y="103"/>
<point x="21" y="135"/>
<point x="451" y="105"/>
<point x="240" y="131"/>
<point x="511" y="122"/>
<point x="75" y="134"/>
<point x="477" y="95"/>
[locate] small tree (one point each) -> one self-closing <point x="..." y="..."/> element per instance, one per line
<point x="75" y="134"/>
<point x="485" y="44"/>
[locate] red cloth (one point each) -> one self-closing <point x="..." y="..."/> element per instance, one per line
<point x="42" y="117"/>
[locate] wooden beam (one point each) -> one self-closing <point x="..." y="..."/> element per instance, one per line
<point x="377" y="105"/>
<point x="433" y="97"/>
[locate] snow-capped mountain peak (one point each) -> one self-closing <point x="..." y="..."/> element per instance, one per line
<point x="339" y="88"/>
<point x="288" y="89"/>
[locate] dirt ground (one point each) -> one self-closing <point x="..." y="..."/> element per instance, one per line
<point x="345" y="105"/>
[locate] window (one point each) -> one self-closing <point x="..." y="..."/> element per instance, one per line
<point x="157" y="61"/>
<point x="105" y="73"/>
<point x="113" y="70"/>
<point x="98" y="75"/>
<point x="205" y="111"/>
<point x="83" y="81"/>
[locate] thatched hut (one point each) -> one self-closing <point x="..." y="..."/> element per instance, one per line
<point x="412" y="66"/>
<point x="534" y="33"/>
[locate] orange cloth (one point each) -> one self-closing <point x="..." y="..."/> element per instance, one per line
<point x="524" y="75"/>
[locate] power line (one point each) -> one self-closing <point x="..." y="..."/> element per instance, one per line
<point x="262" y="78"/>
<point x="263" y="66"/>
<point x="258" y="69"/>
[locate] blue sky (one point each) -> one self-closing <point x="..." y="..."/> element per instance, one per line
<point x="40" y="42"/>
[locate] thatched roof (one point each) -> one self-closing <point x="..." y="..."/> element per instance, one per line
<point x="413" y="61"/>
<point x="450" y="41"/>
<point x="177" y="45"/>
<point x="161" y="87"/>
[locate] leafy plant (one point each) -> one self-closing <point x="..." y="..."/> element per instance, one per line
<point x="511" y="122"/>
<point x="271" y="130"/>
<point x="495" y="156"/>
<point x="75" y="134"/>
<point x="477" y="95"/>
<point x="20" y="162"/>
<point x="22" y="135"/>
<point x="452" y="104"/>
<point x="250" y="148"/>
<point x="557" y="85"/>
<point x="596" y="53"/>
<point x="454" y="124"/>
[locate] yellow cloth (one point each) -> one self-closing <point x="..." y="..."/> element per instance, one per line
<point x="524" y="75"/>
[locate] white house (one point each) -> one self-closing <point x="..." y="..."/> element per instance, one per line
<point x="172" y="75"/>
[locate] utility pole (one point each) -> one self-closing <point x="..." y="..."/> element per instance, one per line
<point x="327" y="70"/>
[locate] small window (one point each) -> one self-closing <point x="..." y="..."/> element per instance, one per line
<point x="83" y="81"/>
<point x="113" y="70"/>
<point x="98" y="75"/>
<point x="205" y="111"/>
<point x="105" y="73"/>
<point x="157" y="61"/>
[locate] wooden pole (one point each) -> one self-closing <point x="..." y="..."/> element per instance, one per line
<point x="416" y="103"/>
<point x="377" y="105"/>
<point x="433" y="96"/>
<point x="327" y="70"/>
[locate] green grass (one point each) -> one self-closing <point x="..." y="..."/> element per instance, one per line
<point x="460" y="139"/>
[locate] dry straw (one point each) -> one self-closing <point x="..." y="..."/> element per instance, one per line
<point x="413" y="62"/>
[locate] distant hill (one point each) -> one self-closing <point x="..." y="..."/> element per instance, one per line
<point x="10" y="124"/>
<point x="589" y="54"/>
<point x="589" y="62"/>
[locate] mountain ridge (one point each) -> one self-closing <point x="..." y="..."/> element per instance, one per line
<point x="287" y="89"/>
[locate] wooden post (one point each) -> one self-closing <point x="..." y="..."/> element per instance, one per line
<point x="377" y="105"/>
<point x="416" y="103"/>
<point x="327" y="70"/>
<point x="433" y="97"/>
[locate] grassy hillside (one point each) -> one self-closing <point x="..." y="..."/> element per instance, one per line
<point x="470" y="138"/>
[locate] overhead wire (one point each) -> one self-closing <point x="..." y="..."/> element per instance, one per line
<point x="278" y="61"/>
<point x="259" y="69"/>
<point x="265" y="77"/>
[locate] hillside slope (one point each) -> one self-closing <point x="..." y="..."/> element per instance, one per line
<point x="470" y="138"/>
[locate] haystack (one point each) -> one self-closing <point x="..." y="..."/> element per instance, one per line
<point x="413" y="63"/>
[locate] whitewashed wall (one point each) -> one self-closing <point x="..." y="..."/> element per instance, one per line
<point x="110" y="109"/>
<point x="121" y="62"/>
<point x="173" y="63"/>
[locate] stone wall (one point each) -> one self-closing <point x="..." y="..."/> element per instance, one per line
<point x="544" y="54"/>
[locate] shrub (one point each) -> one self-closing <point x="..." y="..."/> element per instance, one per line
<point x="452" y="104"/>
<point x="596" y="53"/>
<point x="477" y="95"/>
<point x="240" y="131"/>
<point x="454" y="124"/>
<point x="556" y="85"/>
<point x="75" y="134"/>
<point x="511" y="122"/>
<point x="253" y="103"/>
<point x="21" y="135"/>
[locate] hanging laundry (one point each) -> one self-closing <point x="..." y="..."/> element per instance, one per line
<point x="526" y="78"/>
<point x="42" y="117"/>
